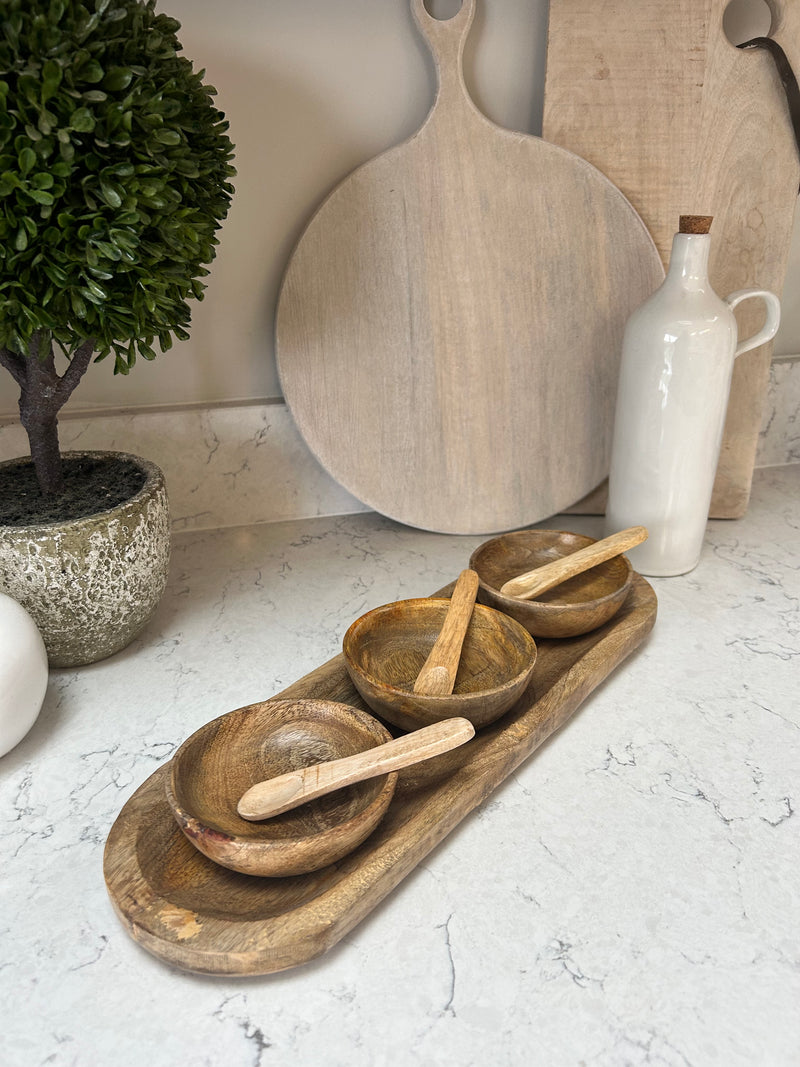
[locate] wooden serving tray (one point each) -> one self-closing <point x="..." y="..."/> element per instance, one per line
<point x="187" y="910"/>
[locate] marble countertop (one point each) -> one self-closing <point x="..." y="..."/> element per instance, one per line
<point x="628" y="896"/>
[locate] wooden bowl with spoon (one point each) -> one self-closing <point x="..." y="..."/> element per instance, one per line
<point x="556" y="584"/>
<point x="223" y="759"/>
<point x="395" y="656"/>
<point x="321" y="772"/>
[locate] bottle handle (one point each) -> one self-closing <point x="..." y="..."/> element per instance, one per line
<point x="770" y="327"/>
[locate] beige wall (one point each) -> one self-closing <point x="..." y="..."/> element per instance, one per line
<point x="312" y="88"/>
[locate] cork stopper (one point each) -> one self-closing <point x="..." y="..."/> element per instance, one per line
<point x="695" y="223"/>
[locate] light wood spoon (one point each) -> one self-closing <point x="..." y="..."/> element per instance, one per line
<point x="438" y="674"/>
<point x="527" y="586"/>
<point x="288" y="791"/>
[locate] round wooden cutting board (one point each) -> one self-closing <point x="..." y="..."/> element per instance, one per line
<point x="450" y="322"/>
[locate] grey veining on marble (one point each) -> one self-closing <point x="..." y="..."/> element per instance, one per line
<point x="628" y="897"/>
<point x="224" y="466"/>
<point x="779" y="440"/>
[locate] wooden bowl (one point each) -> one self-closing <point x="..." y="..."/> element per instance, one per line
<point x="575" y="607"/>
<point x="214" y="766"/>
<point x="385" y="649"/>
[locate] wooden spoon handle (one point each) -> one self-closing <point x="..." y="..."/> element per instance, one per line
<point x="287" y="791"/>
<point x="527" y="585"/>
<point x="438" y="674"/>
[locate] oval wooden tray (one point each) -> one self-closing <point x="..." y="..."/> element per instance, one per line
<point x="187" y="910"/>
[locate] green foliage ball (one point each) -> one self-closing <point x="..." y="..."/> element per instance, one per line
<point x="114" y="168"/>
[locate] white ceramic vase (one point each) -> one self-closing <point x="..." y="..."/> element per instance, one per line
<point x="677" y="359"/>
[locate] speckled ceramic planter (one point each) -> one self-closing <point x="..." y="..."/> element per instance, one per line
<point x="91" y="584"/>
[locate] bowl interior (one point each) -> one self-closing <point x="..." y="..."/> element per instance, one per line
<point x="390" y="645"/>
<point x="217" y="764"/>
<point x="508" y="556"/>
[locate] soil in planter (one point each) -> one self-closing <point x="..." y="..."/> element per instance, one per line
<point x="90" y="485"/>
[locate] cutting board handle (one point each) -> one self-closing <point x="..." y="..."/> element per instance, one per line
<point x="445" y="38"/>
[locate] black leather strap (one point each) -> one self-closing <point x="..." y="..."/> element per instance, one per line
<point x="786" y="74"/>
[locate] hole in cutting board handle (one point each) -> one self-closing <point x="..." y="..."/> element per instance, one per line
<point x="442" y="10"/>
<point x="743" y="20"/>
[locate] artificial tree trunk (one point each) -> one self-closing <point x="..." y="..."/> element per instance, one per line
<point x="43" y="392"/>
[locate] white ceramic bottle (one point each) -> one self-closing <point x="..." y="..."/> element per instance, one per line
<point x="677" y="360"/>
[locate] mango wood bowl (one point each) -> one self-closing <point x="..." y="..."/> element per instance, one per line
<point x="214" y="767"/>
<point x="575" y="607"/>
<point x="385" y="649"/>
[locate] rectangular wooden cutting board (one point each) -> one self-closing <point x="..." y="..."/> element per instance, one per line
<point x="656" y="97"/>
<point x="201" y="917"/>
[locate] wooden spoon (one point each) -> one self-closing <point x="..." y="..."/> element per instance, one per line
<point x="287" y="791"/>
<point x="526" y="586"/>
<point x="438" y="674"/>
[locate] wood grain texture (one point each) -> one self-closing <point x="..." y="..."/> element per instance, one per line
<point x="654" y="95"/>
<point x="575" y="606"/>
<point x="540" y="579"/>
<point x="196" y="915"/>
<point x="384" y="648"/>
<point x="438" y="674"/>
<point x="220" y="761"/>
<point x="449" y="325"/>
<point x="264" y="800"/>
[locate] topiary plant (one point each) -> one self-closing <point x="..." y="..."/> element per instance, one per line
<point x="114" y="168"/>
